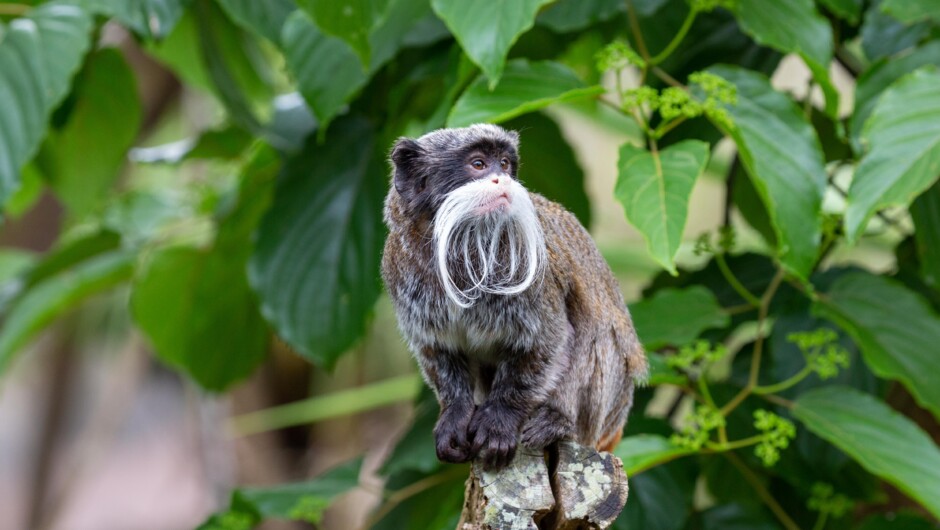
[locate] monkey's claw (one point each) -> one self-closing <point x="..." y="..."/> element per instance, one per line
<point x="544" y="428"/>
<point x="450" y="435"/>
<point x="493" y="438"/>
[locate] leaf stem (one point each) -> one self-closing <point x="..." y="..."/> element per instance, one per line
<point x="821" y="521"/>
<point x="665" y="127"/>
<point x="758" y="343"/>
<point x="737" y="444"/>
<point x="733" y="281"/>
<point x="674" y="43"/>
<point x="785" y="384"/>
<point x="637" y="33"/>
<point x="400" y="496"/>
<point x="762" y="492"/>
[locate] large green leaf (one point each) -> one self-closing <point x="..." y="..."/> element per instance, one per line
<point x="676" y="317"/>
<point x="549" y="165"/>
<point x="896" y="329"/>
<point x="660" y="498"/>
<point x="850" y="10"/>
<point x="300" y="501"/>
<point x="47" y="300"/>
<point x="83" y="158"/>
<point x="524" y="87"/>
<point x="196" y="306"/>
<point x="39" y="55"/>
<point x="486" y="29"/>
<point x="909" y="11"/>
<point x="571" y="15"/>
<point x="318" y="250"/>
<point x="654" y="189"/>
<point x="784" y="160"/>
<point x="794" y="27"/>
<point x="925" y="211"/>
<point x="903" y="133"/>
<point x="644" y="451"/>
<point x="883" y="441"/>
<point x="264" y="18"/>
<point x="897" y="521"/>
<point x="352" y="21"/>
<point x="327" y="71"/>
<point x="883" y="35"/>
<point x="872" y="84"/>
<point x="150" y="18"/>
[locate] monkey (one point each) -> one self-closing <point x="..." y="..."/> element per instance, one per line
<point x="516" y="320"/>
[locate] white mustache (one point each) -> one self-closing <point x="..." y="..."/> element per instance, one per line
<point x="467" y="228"/>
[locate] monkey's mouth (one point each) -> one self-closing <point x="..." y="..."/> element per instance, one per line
<point x="497" y="202"/>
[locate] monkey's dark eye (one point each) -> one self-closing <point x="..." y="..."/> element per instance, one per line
<point x="478" y="164"/>
<point x="504" y="163"/>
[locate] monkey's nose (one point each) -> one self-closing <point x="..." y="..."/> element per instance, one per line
<point x="495" y="180"/>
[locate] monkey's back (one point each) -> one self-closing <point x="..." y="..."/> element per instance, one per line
<point x="605" y="356"/>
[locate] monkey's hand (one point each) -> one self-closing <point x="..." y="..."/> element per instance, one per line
<point x="544" y="427"/>
<point x="493" y="433"/>
<point x="450" y="433"/>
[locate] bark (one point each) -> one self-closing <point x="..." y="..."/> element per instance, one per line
<point x="574" y="488"/>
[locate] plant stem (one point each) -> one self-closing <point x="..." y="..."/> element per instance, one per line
<point x="674" y="43"/>
<point x="666" y="127"/>
<point x="821" y="521"/>
<point x="762" y="492"/>
<point x="411" y="490"/>
<point x="637" y="33"/>
<point x="342" y="403"/>
<point x="777" y="400"/>
<point x="758" y="344"/>
<point x="664" y="75"/>
<point x="737" y="444"/>
<point x="14" y="9"/>
<point x="785" y="384"/>
<point x="733" y="281"/>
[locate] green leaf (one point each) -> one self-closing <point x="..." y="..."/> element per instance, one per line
<point x="872" y="84"/>
<point x="895" y="328"/>
<point x="525" y="87"/>
<point x="849" y="10"/>
<point x="883" y="35"/>
<point x="83" y="158"/>
<point x="263" y="18"/>
<point x="415" y="450"/>
<point x="153" y="19"/>
<point x="895" y="521"/>
<point x="644" y="451"/>
<point x="402" y="21"/>
<point x="654" y="189"/>
<point x="925" y="211"/>
<point x="299" y="501"/>
<point x="226" y="143"/>
<point x="903" y="133"/>
<point x="326" y="68"/>
<point x="352" y="21"/>
<point x="571" y="15"/>
<point x="737" y="516"/>
<point x="794" y="27"/>
<point x="660" y="498"/>
<point x="196" y="306"/>
<point x="883" y="441"/>
<point x="318" y="250"/>
<point x="38" y="56"/>
<point x="549" y="165"/>
<point x="790" y="180"/>
<point x="660" y="371"/>
<point x="486" y="29"/>
<point x="908" y="11"/>
<point x="43" y="303"/>
<point x="676" y="317"/>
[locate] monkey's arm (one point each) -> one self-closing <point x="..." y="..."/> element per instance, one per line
<point x="447" y="374"/>
<point x="518" y="386"/>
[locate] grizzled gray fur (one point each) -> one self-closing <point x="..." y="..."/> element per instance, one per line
<point x="555" y="361"/>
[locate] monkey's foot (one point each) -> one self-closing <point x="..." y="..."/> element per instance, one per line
<point x="515" y="497"/>
<point x="590" y="487"/>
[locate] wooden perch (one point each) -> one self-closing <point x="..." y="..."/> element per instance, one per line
<point x="578" y="489"/>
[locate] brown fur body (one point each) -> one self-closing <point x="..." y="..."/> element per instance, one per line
<point x="557" y="361"/>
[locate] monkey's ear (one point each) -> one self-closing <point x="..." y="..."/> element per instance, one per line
<point x="406" y="156"/>
<point x="515" y="137"/>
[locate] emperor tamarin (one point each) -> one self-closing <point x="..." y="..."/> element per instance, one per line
<point x="517" y="323"/>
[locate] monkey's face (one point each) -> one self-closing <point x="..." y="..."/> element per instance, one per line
<point x="486" y="232"/>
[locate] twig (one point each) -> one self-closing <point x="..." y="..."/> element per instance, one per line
<point x="411" y="490"/>
<point x="762" y="492"/>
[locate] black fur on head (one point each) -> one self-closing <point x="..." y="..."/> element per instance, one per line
<point x="427" y="169"/>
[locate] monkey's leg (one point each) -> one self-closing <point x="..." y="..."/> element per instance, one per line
<point x="518" y="386"/>
<point x="545" y="426"/>
<point x="447" y="373"/>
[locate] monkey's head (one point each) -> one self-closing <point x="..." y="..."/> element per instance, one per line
<point x="487" y="235"/>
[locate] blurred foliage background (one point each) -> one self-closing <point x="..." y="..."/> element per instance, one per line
<point x="193" y="332"/>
